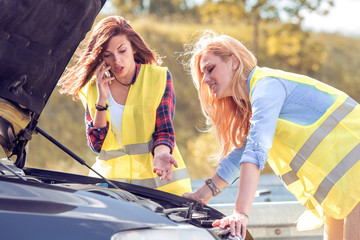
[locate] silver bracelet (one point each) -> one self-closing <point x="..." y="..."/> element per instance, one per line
<point x="215" y="191"/>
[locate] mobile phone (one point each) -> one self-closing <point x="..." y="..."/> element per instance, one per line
<point x="107" y="73"/>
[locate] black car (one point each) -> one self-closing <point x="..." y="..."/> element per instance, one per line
<point x="37" y="40"/>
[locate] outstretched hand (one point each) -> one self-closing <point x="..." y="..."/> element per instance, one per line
<point x="237" y="223"/>
<point x="162" y="165"/>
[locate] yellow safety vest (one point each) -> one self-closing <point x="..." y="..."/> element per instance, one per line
<point x="318" y="163"/>
<point x="134" y="164"/>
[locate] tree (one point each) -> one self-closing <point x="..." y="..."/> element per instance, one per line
<point x="274" y="10"/>
<point x="158" y="8"/>
<point x="228" y="11"/>
<point x="294" y="50"/>
<point x="130" y="7"/>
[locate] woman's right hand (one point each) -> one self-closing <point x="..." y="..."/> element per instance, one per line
<point x="102" y="82"/>
<point x="237" y="222"/>
<point x="204" y="194"/>
<point x="194" y="196"/>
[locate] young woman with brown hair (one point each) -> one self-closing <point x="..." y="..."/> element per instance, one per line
<point x="129" y="103"/>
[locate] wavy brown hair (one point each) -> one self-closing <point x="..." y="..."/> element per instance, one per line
<point x="230" y="115"/>
<point x="77" y="76"/>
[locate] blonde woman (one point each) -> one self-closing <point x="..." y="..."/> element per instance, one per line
<point x="307" y="131"/>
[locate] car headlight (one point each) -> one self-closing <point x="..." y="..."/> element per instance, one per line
<point x="174" y="233"/>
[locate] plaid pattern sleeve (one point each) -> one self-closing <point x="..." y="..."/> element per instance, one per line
<point x="95" y="136"/>
<point x="164" y="131"/>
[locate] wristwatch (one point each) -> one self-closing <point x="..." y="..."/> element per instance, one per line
<point x="215" y="191"/>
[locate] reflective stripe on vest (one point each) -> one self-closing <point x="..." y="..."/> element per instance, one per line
<point x="134" y="162"/>
<point x="131" y="149"/>
<point x="311" y="144"/>
<point x="319" y="162"/>
<point x="156" y="182"/>
<point x="325" y="128"/>
<point x="328" y="182"/>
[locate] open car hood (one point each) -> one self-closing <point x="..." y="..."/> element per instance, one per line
<point x="37" y="40"/>
<point x="56" y="205"/>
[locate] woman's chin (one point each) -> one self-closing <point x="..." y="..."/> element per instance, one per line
<point x="217" y="96"/>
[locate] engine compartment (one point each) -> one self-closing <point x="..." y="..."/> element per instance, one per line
<point x="175" y="208"/>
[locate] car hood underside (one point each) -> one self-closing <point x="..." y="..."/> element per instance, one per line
<point x="37" y="41"/>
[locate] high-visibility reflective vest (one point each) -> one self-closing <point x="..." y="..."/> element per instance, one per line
<point x="318" y="163"/>
<point x="134" y="163"/>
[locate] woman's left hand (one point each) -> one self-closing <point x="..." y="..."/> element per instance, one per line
<point x="237" y="223"/>
<point x="162" y="165"/>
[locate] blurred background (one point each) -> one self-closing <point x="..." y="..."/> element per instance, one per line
<point x="318" y="38"/>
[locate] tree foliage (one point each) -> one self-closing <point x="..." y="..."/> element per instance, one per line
<point x="222" y="11"/>
<point x="295" y="49"/>
<point x="158" y="8"/>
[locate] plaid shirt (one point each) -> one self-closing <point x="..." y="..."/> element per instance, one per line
<point x="164" y="132"/>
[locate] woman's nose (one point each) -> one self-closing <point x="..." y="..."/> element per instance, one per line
<point x="117" y="58"/>
<point x="205" y="79"/>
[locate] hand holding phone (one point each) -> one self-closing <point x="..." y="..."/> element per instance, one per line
<point x="107" y="73"/>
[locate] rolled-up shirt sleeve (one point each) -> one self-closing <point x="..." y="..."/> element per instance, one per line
<point x="95" y="136"/>
<point x="164" y="131"/>
<point x="229" y="167"/>
<point x="267" y="99"/>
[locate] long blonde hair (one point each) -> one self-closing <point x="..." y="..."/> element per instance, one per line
<point x="77" y="76"/>
<point x="230" y="115"/>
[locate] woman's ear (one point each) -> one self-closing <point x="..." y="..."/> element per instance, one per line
<point x="234" y="62"/>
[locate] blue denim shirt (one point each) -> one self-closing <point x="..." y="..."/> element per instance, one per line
<point x="273" y="98"/>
